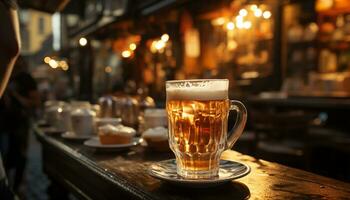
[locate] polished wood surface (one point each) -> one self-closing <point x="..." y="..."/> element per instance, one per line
<point x="123" y="175"/>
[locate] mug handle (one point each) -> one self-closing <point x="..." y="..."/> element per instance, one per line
<point x="238" y="128"/>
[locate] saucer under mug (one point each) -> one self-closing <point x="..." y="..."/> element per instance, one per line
<point x="229" y="170"/>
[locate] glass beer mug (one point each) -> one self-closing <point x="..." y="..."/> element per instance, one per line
<point x="197" y="113"/>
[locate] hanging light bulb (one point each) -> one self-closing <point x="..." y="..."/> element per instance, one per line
<point x="126" y="54"/>
<point x="243" y="12"/>
<point x="47" y="59"/>
<point x="132" y="46"/>
<point x="165" y="37"/>
<point x="253" y="7"/>
<point x="266" y="14"/>
<point x="53" y="63"/>
<point x="230" y="26"/>
<point x="257" y="12"/>
<point x="83" y="41"/>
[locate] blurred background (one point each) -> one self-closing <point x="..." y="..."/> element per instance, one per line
<point x="287" y="60"/>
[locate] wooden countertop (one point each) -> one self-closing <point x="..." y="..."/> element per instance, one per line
<point x="123" y="175"/>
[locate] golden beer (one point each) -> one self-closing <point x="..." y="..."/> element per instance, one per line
<point x="197" y="115"/>
<point x="198" y="132"/>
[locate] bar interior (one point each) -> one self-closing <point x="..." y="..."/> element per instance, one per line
<point x="179" y="99"/>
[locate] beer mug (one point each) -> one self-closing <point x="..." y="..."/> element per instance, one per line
<point x="197" y="113"/>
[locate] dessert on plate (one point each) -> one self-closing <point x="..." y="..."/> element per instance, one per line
<point x="157" y="138"/>
<point x="109" y="134"/>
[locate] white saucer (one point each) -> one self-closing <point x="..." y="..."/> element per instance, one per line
<point x="229" y="170"/>
<point x="95" y="143"/>
<point x="71" y="136"/>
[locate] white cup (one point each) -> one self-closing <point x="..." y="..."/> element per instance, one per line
<point x="155" y="117"/>
<point x="83" y="121"/>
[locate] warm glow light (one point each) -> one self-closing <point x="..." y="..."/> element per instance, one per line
<point x="267" y="14"/>
<point x="153" y="47"/>
<point x="253" y="7"/>
<point x="313" y="26"/>
<point x="239" y="22"/>
<point x="218" y="21"/>
<point x="65" y="67"/>
<point x="247" y="25"/>
<point x="126" y="54"/>
<point x="231" y="45"/>
<point x="160" y="44"/>
<point x="108" y="69"/>
<point x="243" y="12"/>
<point x="249" y="75"/>
<point x="132" y="46"/>
<point x="239" y="18"/>
<point x="257" y="12"/>
<point x="47" y="59"/>
<point x="83" y="41"/>
<point x="230" y="26"/>
<point x="63" y="64"/>
<point x="53" y="63"/>
<point x="165" y="37"/>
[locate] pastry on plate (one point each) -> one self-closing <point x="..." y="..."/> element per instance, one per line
<point x="109" y="134"/>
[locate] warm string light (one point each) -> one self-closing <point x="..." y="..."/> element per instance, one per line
<point x="239" y="21"/>
<point x="266" y="14"/>
<point x="230" y="26"/>
<point x="126" y="54"/>
<point x="257" y="12"/>
<point x="64" y="65"/>
<point x="247" y="25"/>
<point x="253" y="7"/>
<point x="53" y="63"/>
<point x="243" y="12"/>
<point x="218" y="21"/>
<point x="159" y="45"/>
<point x="165" y="37"/>
<point x="83" y="41"/>
<point x="132" y="46"/>
<point x="47" y="59"/>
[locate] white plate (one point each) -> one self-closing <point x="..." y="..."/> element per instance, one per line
<point x="95" y="143"/>
<point x="229" y="170"/>
<point x="72" y="136"/>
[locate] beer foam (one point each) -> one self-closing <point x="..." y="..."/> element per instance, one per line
<point x="216" y="90"/>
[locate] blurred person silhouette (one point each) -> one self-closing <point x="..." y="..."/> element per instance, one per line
<point x="9" y="50"/>
<point x="20" y="100"/>
<point x="9" y="40"/>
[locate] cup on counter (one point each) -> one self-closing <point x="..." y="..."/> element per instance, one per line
<point x="198" y="113"/>
<point x="155" y="117"/>
<point x="64" y="122"/>
<point x="83" y="120"/>
<point x="51" y="113"/>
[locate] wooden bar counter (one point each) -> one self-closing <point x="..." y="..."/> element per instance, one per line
<point x="123" y="175"/>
